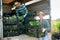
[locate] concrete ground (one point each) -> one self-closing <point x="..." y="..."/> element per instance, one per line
<point x="23" y="37"/>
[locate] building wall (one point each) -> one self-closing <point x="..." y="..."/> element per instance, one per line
<point x="40" y="6"/>
<point x="7" y="9"/>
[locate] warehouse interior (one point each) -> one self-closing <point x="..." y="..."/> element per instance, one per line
<point x="10" y="25"/>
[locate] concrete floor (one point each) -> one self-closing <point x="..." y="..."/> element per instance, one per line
<point x="20" y="37"/>
<point x="23" y="37"/>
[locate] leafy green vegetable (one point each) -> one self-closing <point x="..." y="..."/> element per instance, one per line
<point x="34" y="23"/>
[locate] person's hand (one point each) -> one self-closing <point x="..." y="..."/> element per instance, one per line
<point x="13" y="8"/>
<point x="43" y="30"/>
<point x="24" y="15"/>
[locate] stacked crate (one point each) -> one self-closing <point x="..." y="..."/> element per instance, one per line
<point x="11" y="26"/>
<point x="31" y="29"/>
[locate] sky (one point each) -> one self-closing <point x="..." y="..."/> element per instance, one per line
<point x="55" y="9"/>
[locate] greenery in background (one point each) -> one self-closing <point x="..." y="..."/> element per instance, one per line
<point x="55" y="26"/>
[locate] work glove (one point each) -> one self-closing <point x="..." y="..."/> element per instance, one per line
<point x="43" y="30"/>
<point x="24" y="15"/>
<point x="13" y="8"/>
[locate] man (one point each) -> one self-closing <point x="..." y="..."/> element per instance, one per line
<point x="21" y="10"/>
<point x="46" y="27"/>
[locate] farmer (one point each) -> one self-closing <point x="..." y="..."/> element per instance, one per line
<point x="21" y="10"/>
<point x="46" y="27"/>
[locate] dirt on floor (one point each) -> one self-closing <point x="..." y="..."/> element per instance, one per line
<point x="20" y="37"/>
<point x="23" y="37"/>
